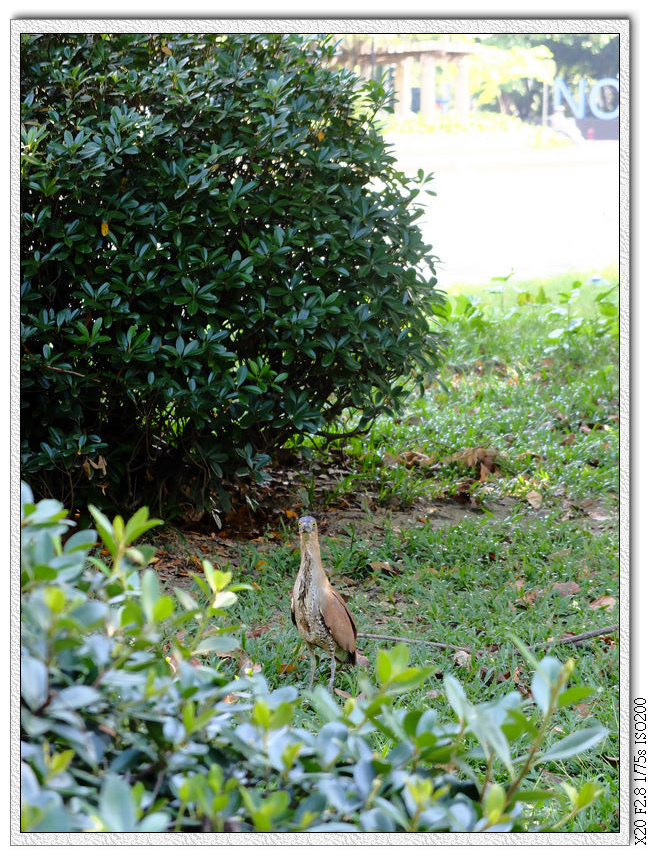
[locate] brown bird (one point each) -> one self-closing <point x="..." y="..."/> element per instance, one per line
<point x="317" y="610"/>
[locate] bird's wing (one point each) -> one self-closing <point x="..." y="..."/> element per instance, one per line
<point x="338" y="619"/>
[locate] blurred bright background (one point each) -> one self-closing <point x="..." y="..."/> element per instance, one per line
<point x="521" y="133"/>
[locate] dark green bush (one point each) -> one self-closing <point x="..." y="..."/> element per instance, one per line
<point x="218" y="254"/>
<point x="117" y="737"/>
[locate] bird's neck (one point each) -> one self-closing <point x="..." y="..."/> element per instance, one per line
<point x="310" y="560"/>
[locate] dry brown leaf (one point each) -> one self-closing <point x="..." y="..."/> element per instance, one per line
<point x="535" y="499"/>
<point x="362" y="661"/>
<point x="383" y="568"/>
<point x="527" y="599"/>
<point x="257" y="632"/>
<point x="287" y="668"/>
<point x="564" y="589"/>
<point x="569" y="439"/>
<point x="583" y="709"/>
<point x="598" y="515"/>
<point x="604" y="601"/>
<point x="344" y="694"/>
<point x="415" y="458"/>
<point x="462" y="659"/>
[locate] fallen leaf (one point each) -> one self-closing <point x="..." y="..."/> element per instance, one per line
<point x="535" y="499"/>
<point x="383" y="568"/>
<point x="362" y="661"/>
<point x="257" y="632"/>
<point x="433" y="694"/>
<point x="287" y="668"/>
<point x="598" y="515"/>
<point x="583" y="709"/>
<point x="569" y="439"/>
<point x="527" y="599"/>
<point x="462" y="659"/>
<point x="415" y="458"/>
<point x="604" y="601"/>
<point x="291" y="514"/>
<point x="564" y="589"/>
<point x="344" y="694"/>
<point x="470" y="457"/>
<point x="484" y="472"/>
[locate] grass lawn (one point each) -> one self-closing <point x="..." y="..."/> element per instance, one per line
<point x="488" y="508"/>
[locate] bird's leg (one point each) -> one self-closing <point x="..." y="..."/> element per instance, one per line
<point x="312" y="664"/>
<point x="332" y="670"/>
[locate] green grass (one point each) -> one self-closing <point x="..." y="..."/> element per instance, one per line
<point x="548" y="404"/>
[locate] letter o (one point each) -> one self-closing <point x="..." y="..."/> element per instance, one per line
<point x="593" y="99"/>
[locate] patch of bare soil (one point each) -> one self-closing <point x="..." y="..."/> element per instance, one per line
<point x="295" y="489"/>
<point x="181" y="550"/>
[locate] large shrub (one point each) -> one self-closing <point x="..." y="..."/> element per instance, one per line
<point x="117" y="737"/>
<point x="218" y="253"/>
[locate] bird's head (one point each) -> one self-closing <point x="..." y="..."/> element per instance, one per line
<point x="307" y="525"/>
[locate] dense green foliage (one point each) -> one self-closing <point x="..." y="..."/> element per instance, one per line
<point x="218" y="253"/>
<point x="116" y="737"/>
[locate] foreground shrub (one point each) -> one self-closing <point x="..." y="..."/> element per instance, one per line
<point x="218" y="254"/>
<point x="117" y="737"/>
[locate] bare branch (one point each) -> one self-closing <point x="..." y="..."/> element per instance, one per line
<point x="546" y="644"/>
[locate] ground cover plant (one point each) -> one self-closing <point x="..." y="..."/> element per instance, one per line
<point x="118" y="737"/>
<point x="480" y="522"/>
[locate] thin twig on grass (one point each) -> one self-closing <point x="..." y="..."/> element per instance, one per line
<point x="571" y="638"/>
<point x="415" y="642"/>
